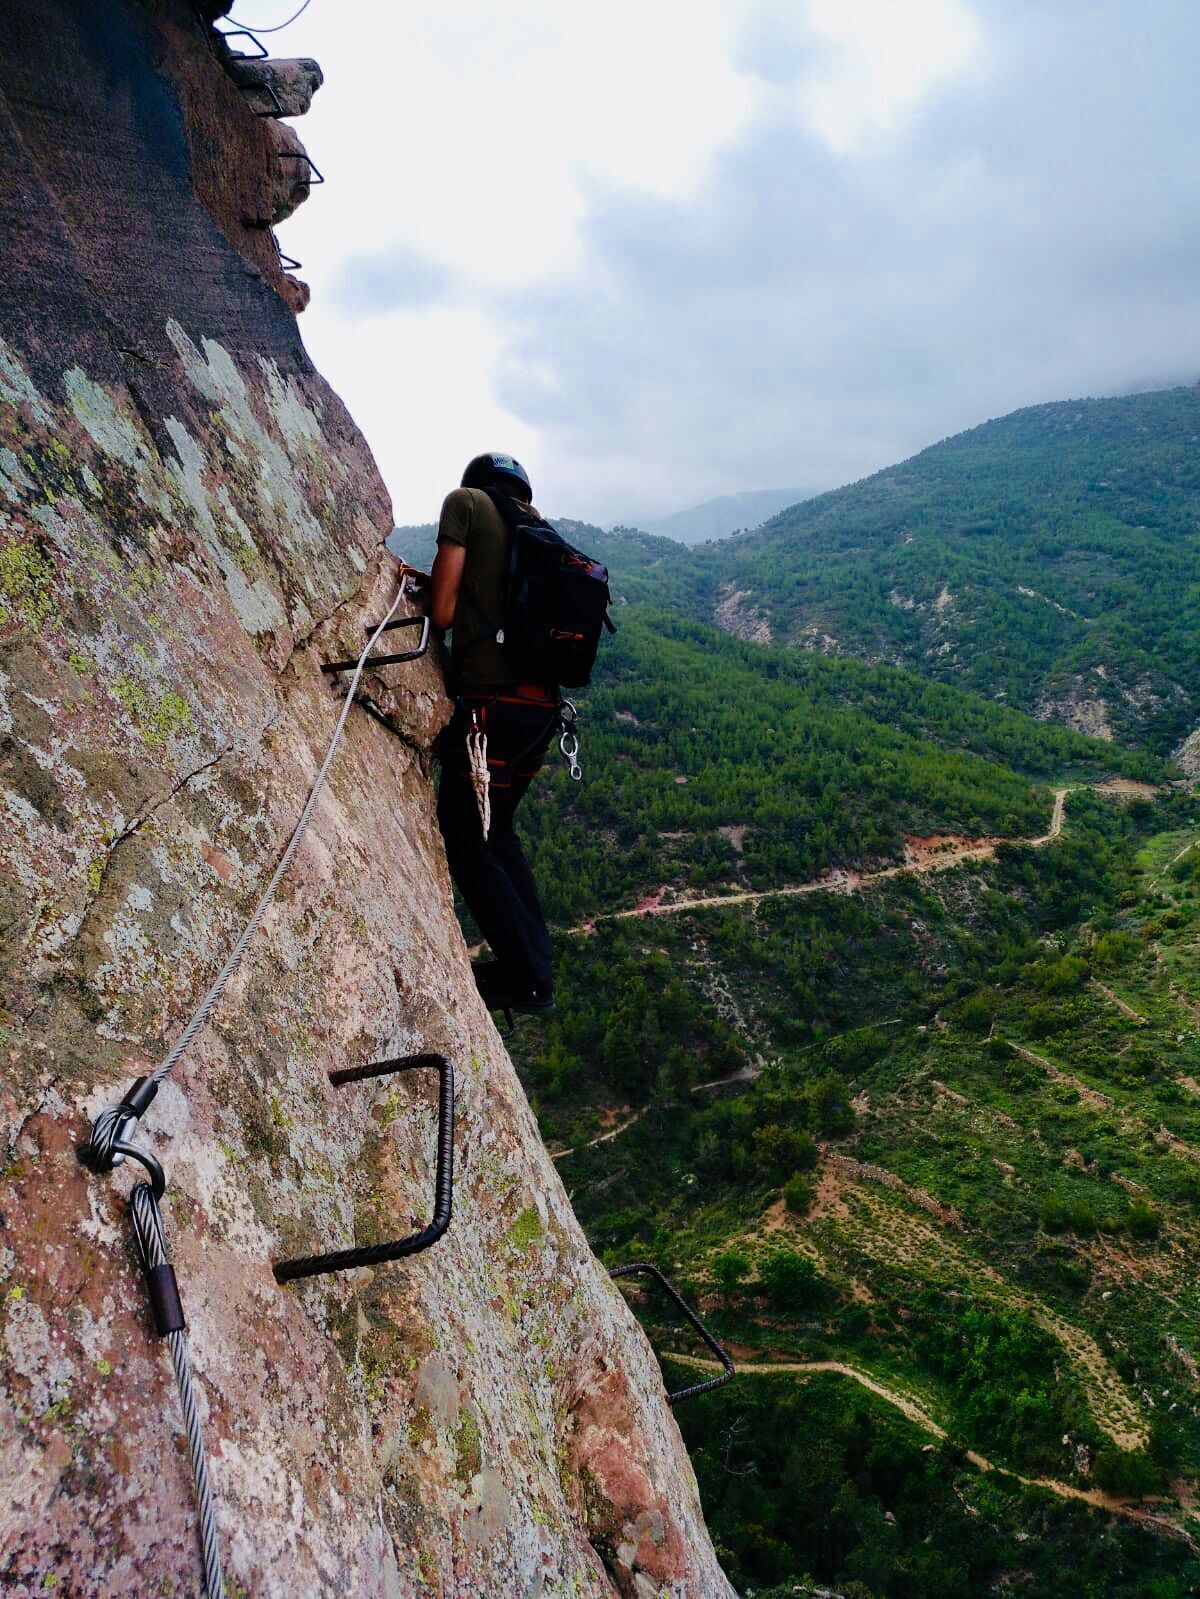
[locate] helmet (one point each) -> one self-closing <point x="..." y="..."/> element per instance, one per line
<point x="501" y="471"/>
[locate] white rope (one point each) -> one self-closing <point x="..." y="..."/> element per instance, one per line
<point x="107" y="1127"/>
<point x="481" y="777"/>
<point x="202" y="1011"/>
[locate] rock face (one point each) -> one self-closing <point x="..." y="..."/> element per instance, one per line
<point x="277" y="88"/>
<point x="1188" y="754"/>
<point x="189" y="525"/>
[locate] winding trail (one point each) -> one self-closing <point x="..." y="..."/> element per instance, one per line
<point x="951" y="852"/>
<point x="1115" y="999"/>
<point x="602" y="1138"/>
<point x="1134" y="1510"/>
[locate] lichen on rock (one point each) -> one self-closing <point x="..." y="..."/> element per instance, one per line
<point x="189" y="524"/>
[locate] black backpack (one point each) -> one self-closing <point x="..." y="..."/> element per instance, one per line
<point x="556" y="604"/>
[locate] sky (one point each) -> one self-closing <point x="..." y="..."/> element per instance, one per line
<point x="663" y="250"/>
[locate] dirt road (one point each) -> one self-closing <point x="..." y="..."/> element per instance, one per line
<point x="1132" y="1509"/>
<point x="936" y="854"/>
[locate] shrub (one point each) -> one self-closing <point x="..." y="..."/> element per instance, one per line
<point x="1142" y="1219"/>
<point x="1111" y="951"/>
<point x="798" y="1194"/>
<point x="781" y="1151"/>
<point x="855" y="1319"/>
<point x="1076" y="1216"/>
<point x="1061" y="976"/>
<point x="1131" y="1474"/>
<point x="730" y="1268"/>
<point x="975" y="1014"/>
<point x="790" y="1281"/>
<point x="831" y="1107"/>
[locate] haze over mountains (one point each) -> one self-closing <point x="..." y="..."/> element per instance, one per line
<point x="717" y="518"/>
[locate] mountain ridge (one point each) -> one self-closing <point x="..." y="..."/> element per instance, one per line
<point x="1048" y="558"/>
<point x="719" y="517"/>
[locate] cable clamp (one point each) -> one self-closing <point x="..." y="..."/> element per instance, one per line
<point x="107" y="1144"/>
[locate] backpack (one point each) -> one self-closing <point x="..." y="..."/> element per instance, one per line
<point x="556" y="602"/>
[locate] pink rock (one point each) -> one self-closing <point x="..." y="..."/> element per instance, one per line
<point x="192" y="524"/>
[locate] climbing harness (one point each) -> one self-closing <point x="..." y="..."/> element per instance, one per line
<point x="108" y="1143"/>
<point x="643" y="1268"/>
<point x="565" y="723"/>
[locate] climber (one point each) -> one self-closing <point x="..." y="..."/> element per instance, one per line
<point x="500" y="720"/>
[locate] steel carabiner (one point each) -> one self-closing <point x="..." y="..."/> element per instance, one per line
<point x="568" y="739"/>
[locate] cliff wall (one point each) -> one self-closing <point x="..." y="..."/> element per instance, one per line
<point x="189" y="524"/>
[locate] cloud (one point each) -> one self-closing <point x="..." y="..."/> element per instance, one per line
<point x="664" y="251"/>
<point x="388" y="279"/>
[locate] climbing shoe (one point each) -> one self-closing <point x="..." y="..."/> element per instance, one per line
<point x="527" y="998"/>
<point x="506" y="994"/>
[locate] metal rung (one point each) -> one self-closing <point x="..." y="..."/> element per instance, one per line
<point x="387" y="660"/>
<point x="243" y="33"/>
<point x="378" y="1254"/>
<point x="287" y="262"/>
<point x="644" y="1268"/>
<point x="314" y="171"/>
<point x="253" y="88"/>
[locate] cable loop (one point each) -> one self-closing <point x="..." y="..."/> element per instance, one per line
<point x="158" y="1179"/>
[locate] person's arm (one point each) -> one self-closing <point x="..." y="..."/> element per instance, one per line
<point x="444" y="582"/>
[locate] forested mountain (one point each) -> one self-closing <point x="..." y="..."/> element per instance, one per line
<point x="909" y="1111"/>
<point x="1050" y="558"/>
<point x="878" y="1013"/>
<point x="710" y="761"/>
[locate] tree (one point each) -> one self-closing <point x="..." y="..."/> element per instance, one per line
<point x="790" y="1281"/>
<point x="730" y="1268"/>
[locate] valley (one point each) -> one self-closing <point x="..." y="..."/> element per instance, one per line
<point x="878" y="1019"/>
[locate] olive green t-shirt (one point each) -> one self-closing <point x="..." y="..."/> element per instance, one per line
<point x="469" y="518"/>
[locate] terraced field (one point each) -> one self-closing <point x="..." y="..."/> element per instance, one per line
<point x="993" y="1226"/>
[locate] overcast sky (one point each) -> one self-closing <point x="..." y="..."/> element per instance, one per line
<point x="668" y="249"/>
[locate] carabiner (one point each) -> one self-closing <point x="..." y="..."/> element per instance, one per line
<point x="568" y="738"/>
<point x="568" y="744"/>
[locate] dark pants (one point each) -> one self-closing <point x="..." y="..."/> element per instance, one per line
<point x="493" y="876"/>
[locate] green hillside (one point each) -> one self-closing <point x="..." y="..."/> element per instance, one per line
<point x="715" y="763"/>
<point x="879" y="1016"/>
<point x="943" y="1135"/>
<point x="1050" y="558"/>
<point x="890" y="1129"/>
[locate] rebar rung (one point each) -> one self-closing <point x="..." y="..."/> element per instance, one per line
<point x="372" y="661"/>
<point x="644" y="1268"/>
<point x="378" y="1254"/>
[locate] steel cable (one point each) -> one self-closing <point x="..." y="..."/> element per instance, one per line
<point x="113" y="1124"/>
<point x="107" y="1127"/>
<point x="152" y="1241"/>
